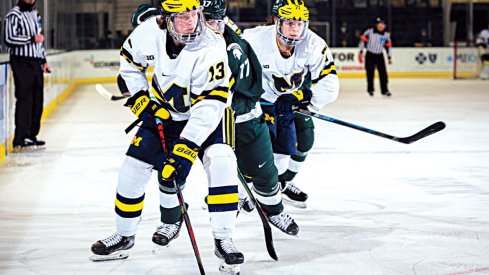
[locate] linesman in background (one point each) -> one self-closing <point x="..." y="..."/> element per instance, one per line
<point x="482" y="43"/>
<point x="374" y="40"/>
<point x="25" y="45"/>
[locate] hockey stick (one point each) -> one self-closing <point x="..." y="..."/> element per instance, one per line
<point x="186" y="217"/>
<point x="108" y="95"/>
<point x="266" y="226"/>
<point x="436" y="127"/>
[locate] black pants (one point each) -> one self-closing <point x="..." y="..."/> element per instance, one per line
<point x="373" y="60"/>
<point x="29" y="84"/>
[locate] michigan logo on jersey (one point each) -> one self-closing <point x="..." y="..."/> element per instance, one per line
<point x="284" y="84"/>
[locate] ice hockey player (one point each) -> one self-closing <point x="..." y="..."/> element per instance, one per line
<point x="292" y="57"/>
<point x="192" y="104"/>
<point x="253" y="145"/>
<point x="142" y="13"/>
<point x="482" y="42"/>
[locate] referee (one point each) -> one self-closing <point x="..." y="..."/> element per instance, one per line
<point x="374" y="40"/>
<point x="25" y="45"/>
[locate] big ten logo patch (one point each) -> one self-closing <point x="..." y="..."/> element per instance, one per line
<point x="136" y="140"/>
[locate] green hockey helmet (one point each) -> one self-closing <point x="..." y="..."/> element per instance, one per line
<point x="143" y="12"/>
<point x="214" y="13"/>
<point x="214" y="9"/>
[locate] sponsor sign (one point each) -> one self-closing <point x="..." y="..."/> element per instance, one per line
<point x="411" y="60"/>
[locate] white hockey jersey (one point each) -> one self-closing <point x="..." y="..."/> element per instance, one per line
<point x="483" y="40"/>
<point x="286" y="75"/>
<point x="194" y="86"/>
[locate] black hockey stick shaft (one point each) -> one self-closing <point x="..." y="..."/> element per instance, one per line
<point x="186" y="218"/>
<point x="266" y="226"/>
<point x="434" y="128"/>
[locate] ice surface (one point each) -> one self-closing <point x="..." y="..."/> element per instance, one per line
<point x="375" y="206"/>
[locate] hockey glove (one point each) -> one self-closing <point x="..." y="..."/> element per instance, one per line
<point x="145" y="108"/>
<point x="180" y="160"/>
<point x="288" y="102"/>
<point x="360" y="57"/>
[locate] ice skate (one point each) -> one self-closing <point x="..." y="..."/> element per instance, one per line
<point x="164" y="234"/>
<point x="29" y="145"/>
<point x="115" y="247"/>
<point x="285" y="223"/>
<point x="292" y="195"/>
<point x="230" y="258"/>
<point x="245" y="204"/>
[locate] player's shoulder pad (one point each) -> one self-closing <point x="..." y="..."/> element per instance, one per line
<point x="314" y="44"/>
<point x="257" y="32"/>
<point x="147" y="31"/>
<point x="230" y="35"/>
<point x="313" y="38"/>
<point x="211" y="41"/>
<point x="212" y="37"/>
<point x="230" y="23"/>
<point x="236" y="51"/>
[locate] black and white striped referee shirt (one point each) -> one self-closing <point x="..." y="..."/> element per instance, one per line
<point x="376" y="41"/>
<point x="20" y="29"/>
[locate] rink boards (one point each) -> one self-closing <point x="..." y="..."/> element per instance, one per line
<point x="71" y="69"/>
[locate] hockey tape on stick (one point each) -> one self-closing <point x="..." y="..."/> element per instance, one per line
<point x="108" y="95"/>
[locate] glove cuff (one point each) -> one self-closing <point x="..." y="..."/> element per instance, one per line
<point x="138" y="102"/>
<point x="186" y="149"/>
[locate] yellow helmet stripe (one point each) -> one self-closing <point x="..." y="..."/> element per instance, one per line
<point x="295" y="10"/>
<point x="176" y="6"/>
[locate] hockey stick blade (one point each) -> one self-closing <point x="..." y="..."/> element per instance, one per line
<point x="436" y="127"/>
<point x="266" y="226"/>
<point x="108" y="95"/>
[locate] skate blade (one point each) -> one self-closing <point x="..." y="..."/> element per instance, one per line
<point x="228" y="269"/>
<point x="29" y="149"/>
<point x="297" y="204"/>
<point x="119" y="255"/>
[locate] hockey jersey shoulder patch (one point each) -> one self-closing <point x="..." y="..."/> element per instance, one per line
<point x="236" y="50"/>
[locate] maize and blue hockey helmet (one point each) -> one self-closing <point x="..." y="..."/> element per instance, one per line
<point x="184" y="10"/>
<point x="288" y="12"/>
<point x="214" y="13"/>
